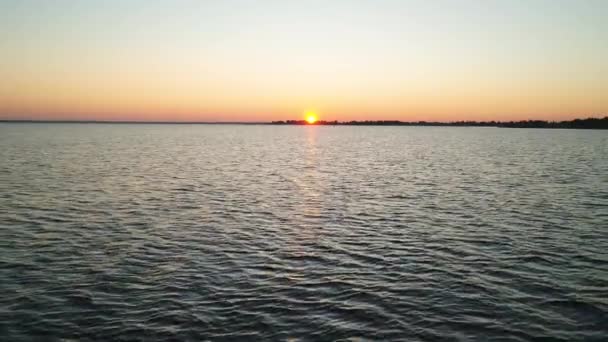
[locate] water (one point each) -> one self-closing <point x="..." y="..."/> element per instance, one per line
<point x="228" y="232"/>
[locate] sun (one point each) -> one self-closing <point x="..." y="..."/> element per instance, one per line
<point x="311" y="117"/>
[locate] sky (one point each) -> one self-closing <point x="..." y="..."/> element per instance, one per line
<point x="238" y="60"/>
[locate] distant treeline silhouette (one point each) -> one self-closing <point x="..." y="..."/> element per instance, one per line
<point x="590" y="123"/>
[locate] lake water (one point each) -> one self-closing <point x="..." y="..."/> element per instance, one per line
<point x="252" y="232"/>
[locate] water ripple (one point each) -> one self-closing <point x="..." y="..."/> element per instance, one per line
<point x="163" y="232"/>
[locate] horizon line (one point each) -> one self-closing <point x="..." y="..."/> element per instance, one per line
<point x="289" y="121"/>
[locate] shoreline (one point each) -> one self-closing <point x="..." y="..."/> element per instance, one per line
<point x="588" y="123"/>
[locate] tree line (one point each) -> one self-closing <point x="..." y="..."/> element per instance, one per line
<point x="589" y="123"/>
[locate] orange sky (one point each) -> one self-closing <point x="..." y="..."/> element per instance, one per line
<point x="347" y="60"/>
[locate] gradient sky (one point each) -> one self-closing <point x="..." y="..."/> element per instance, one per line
<point x="237" y="60"/>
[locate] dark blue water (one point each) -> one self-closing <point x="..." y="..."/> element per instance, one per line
<point x="227" y="232"/>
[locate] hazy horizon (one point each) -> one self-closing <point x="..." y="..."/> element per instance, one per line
<point x="285" y="121"/>
<point x="244" y="61"/>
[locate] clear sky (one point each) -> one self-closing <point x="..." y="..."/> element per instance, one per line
<point x="237" y="60"/>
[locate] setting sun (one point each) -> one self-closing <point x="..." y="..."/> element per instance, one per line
<point x="311" y="117"/>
